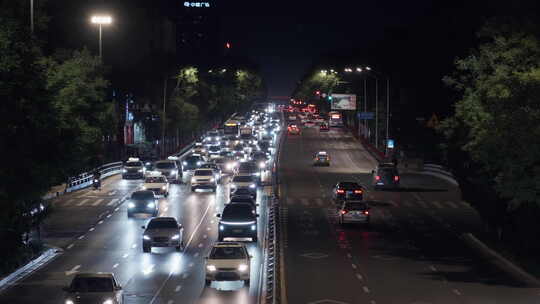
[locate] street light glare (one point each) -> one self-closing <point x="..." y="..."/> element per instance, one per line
<point x="368" y="68"/>
<point x="101" y="19"/>
<point x="359" y="69"/>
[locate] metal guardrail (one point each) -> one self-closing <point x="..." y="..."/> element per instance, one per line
<point x="85" y="179"/>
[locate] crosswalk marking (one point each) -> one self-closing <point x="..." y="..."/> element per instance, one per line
<point x="422" y="204"/>
<point x="464" y="204"/>
<point x="437" y="204"/>
<point x="407" y="204"/>
<point x="97" y="202"/>
<point x="83" y="202"/>
<point x="114" y="200"/>
<point x="452" y="204"/>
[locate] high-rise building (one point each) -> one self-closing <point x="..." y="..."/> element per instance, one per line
<point x="198" y="32"/>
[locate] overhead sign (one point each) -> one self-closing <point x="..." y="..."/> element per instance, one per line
<point x="343" y="102"/>
<point x="366" y="115"/>
<point x="196" y="4"/>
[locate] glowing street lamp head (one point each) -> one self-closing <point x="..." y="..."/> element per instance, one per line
<point x="368" y="68"/>
<point x="101" y="19"/>
<point x="359" y="69"/>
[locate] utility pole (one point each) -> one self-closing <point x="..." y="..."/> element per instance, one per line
<point x="377" y="113"/>
<point x="163" y="118"/>
<point x="387" y="111"/>
<point x="32" y="16"/>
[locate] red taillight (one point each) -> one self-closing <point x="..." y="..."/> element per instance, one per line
<point x="340" y="191"/>
<point x="396" y="178"/>
<point x="366" y="212"/>
<point x="377" y="177"/>
<point x="357" y="191"/>
<point x="343" y="211"/>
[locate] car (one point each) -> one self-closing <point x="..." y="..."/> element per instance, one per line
<point x="212" y="136"/>
<point x="239" y="155"/>
<point x="157" y="183"/>
<point x="143" y="201"/>
<point x="217" y="170"/>
<point x="324" y="128"/>
<point x="347" y="191"/>
<point x="291" y="117"/>
<point x="385" y="176"/>
<point x="309" y="123"/>
<point x="204" y="179"/>
<point x="353" y="212"/>
<point x="163" y="232"/>
<point x="213" y="151"/>
<point x="87" y="287"/>
<point x="169" y="169"/>
<point x="228" y="261"/>
<point x="251" y="168"/>
<point x="192" y="162"/>
<point x="238" y="221"/>
<point x="261" y="159"/>
<point x="244" y="191"/>
<point x="321" y="158"/>
<point x="226" y="164"/>
<point x="199" y="149"/>
<point x="293" y="129"/>
<point x="243" y="199"/>
<point x="244" y="181"/>
<point x="133" y="168"/>
<point x="265" y="147"/>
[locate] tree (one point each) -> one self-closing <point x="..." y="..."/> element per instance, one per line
<point x="496" y="120"/>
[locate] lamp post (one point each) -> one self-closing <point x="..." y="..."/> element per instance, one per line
<point x="387" y="110"/>
<point x="32" y="16"/>
<point x="101" y="20"/>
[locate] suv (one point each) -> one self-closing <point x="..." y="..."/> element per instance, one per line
<point x="133" y="168"/>
<point x="228" y="261"/>
<point x="169" y="169"/>
<point x="99" y="287"/>
<point x="143" y="201"/>
<point x="238" y="220"/>
<point x="250" y="168"/>
<point x="321" y="158"/>
<point x="192" y="162"/>
<point x="353" y="212"/>
<point x="244" y="181"/>
<point x="156" y="183"/>
<point x="385" y="176"/>
<point x="163" y="232"/>
<point x="347" y="191"/>
<point x="243" y="199"/>
<point x="217" y="170"/>
<point x="204" y="178"/>
<point x="213" y="151"/>
<point x="244" y="191"/>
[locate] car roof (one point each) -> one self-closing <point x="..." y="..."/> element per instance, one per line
<point x="242" y="196"/>
<point x="145" y="191"/>
<point x="348" y="183"/>
<point x="229" y="244"/>
<point x="163" y="219"/>
<point x="94" y="275"/>
<point x="204" y="169"/>
<point x="165" y="161"/>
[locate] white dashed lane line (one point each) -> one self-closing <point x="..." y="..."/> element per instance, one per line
<point x="359" y="276"/>
<point x="115" y="265"/>
<point x="70" y="246"/>
<point x="177" y="289"/>
<point x="366" y="289"/>
<point x="457" y="292"/>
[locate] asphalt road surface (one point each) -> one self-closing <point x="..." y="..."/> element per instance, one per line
<point x="96" y="235"/>
<point x="411" y="252"/>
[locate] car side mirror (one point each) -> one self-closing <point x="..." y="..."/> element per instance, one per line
<point x="218" y="215"/>
<point x="143" y="227"/>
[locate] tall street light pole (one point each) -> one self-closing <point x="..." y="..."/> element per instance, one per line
<point x="32" y="16"/>
<point x="101" y="20"/>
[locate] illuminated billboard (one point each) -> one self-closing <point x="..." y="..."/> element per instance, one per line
<point x="343" y="102"/>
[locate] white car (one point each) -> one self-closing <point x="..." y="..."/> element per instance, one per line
<point x="157" y="183"/>
<point x="244" y="181"/>
<point x="204" y="178"/>
<point x="99" y="287"/>
<point x="228" y="261"/>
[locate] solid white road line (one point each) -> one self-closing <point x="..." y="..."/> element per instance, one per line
<point x="114" y="200"/>
<point x="437" y="204"/>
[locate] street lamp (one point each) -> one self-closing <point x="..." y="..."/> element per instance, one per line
<point x="101" y="20"/>
<point x="387" y="108"/>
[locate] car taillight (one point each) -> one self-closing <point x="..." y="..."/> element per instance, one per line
<point x="343" y="211"/>
<point x="377" y="177"/>
<point x="357" y="191"/>
<point x="340" y="191"/>
<point x="396" y="178"/>
<point x="366" y="212"/>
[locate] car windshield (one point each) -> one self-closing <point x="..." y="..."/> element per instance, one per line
<point x="356" y="206"/>
<point x="241" y="199"/>
<point x="242" y="191"/>
<point x="142" y="195"/>
<point x="348" y="185"/>
<point x="247" y="167"/>
<point x="204" y="173"/>
<point x="161" y="224"/>
<point x="155" y="179"/>
<point x="238" y="211"/>
<point x="388" y="172"/>
<point x="134" y="164"/>
<point x="165" y="165"/>
<point x="242" y="179"/>
<point x="92" y="285"/>
<point x="215" y="148"/>
<point x="219" y="160"/>
<point x="192" y="159"/>
<point x="228" y="253"/>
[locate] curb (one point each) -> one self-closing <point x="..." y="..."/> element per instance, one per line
<point x="29" y="268"/>
<point x="499" y="261"/>
<point x="438" y="175"/>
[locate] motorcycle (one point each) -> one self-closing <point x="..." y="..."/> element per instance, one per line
<point x="96" y="184"/>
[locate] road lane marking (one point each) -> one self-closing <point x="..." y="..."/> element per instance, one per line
<point x="125" y="255"/>
<point x="359" y="276"/>
<point x="83" y="202"/>
<point x="81" y="237"/>
<point x="92" y="229"/>
<point x="464" y="204"/>
<point x="452" y="204"/>
<point x="112" y="193"/>
<point x="212" y="221"/>
<point x="185" y="275"/>
<point x="437" y="204"/>
<point x="109" y="215"/>
<point x="208" y="228"/>
<point x="196" y="254"/>
<point x="134" y="246"/>
<point x="70" y="246"/>
<point x="170" y="302"/>
<point x="97" y="202"/>
<point x="372" y="302"/>
<point x="392" y="203"/>
<point x="100" y="222"/>
<point x="177" y="289"/>
<point x="205" y="236"/>
<point x="349" y="255"/>
<point x="73" y="270"/>
<point x="432" y="268"/>
<point x="200" y="245"/>
<point x="354" y="266"/>
<point x="114" y="200"/>
<point x="116" y="209"/>
<point x="456" y="292"/>
<point x="366" y="289"/>
<point x="191" y="264"/>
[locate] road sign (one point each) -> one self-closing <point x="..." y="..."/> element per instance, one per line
<point x="390" y="144"/>
<point x="366" y="115"/>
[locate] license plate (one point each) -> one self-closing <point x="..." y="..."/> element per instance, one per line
<point x="349" y="192"/>
<point x="237" y="230"/>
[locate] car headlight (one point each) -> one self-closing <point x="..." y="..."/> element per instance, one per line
<point x="257" y="173"/>
<point x="252" y="186"/>
<point x="229" y="166"/>
<point x="151" y="205"/>
<point x="184" y="163"/>
<point x="221" y="227"/>
<point x="233" y="186"/>
<point x="193" y="180"/>
<point x="123" y="171"/>
<point x="164" y="187"/>
<point x="143" y="187"/>
<point x="69" y="302"/>
<point x="242" y="267"/>
<point x="175" y="237"/>
<point x="211" y="268"/>
<point x="146" y="237"/>
<point x="131" y="205"/>
<point x="108" y="301"/>
<point x="212" y="179"/>
<point x="199" y="163"/>
<point x="253" y="227"/>
<point x="140" y="170"/>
